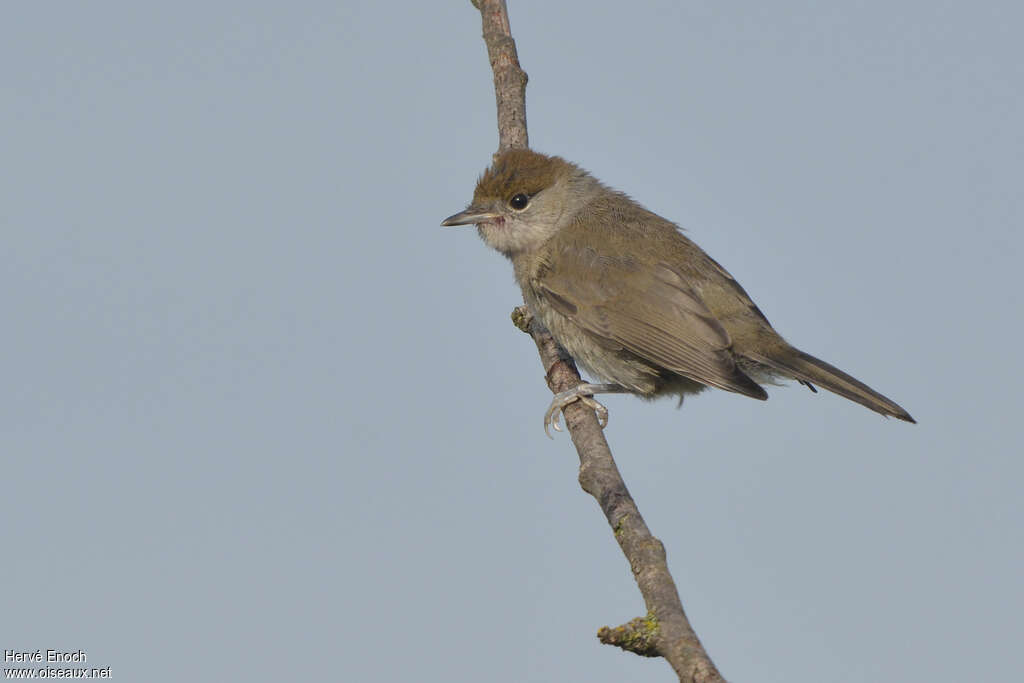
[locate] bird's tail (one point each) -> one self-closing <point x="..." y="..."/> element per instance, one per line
<point x="802" y="366"/>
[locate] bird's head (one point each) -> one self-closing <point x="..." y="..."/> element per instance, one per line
<point x="524" y="199"/>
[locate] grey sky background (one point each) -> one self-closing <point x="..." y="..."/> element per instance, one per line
<point x="263" y="419"/>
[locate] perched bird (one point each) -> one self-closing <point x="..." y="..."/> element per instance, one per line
<point x="632" y="299"/>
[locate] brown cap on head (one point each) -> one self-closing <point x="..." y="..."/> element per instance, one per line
<point x="519" y="170"/>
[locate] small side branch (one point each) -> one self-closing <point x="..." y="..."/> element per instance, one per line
<point x="639" y="636"/>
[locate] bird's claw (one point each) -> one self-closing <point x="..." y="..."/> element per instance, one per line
<point x="561" y="400"/>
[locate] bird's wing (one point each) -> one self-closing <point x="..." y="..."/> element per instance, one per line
<point x="651" y="311"/>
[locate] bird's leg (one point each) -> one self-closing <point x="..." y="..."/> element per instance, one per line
<point x="584" y="393"/>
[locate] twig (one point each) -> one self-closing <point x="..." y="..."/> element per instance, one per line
<point x="509" y="77"/>
<point x="665" y="630"/>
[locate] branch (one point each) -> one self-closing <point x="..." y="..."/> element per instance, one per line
<point x="509" y="77"/>
<point x="665" y="630"/>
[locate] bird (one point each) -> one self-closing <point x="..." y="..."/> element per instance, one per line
<point x="634" y="301"/>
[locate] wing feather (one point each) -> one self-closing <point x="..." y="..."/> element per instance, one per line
<point x="653" y="312"/>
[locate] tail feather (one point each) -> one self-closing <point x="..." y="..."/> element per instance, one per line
<point x="806" y="368"/>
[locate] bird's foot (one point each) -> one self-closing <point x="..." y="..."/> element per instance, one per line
<point x="584" y="393"/>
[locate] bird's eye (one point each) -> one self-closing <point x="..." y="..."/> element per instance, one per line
<point x="519" y="201"/>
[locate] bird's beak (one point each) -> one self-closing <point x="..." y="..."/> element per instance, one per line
<point x="469" y="217"/>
